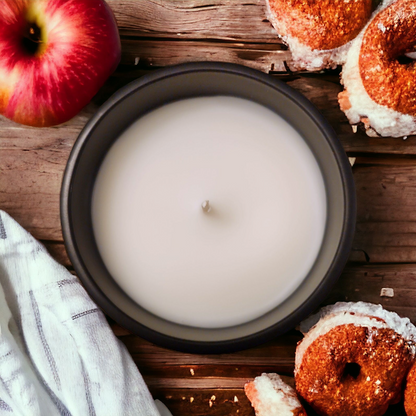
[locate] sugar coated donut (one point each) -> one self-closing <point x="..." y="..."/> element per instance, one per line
<point x="410" y="393"/>
<point x="271" y="396"/>
<point x="317" y="31"/>
<point x="378" y="77"/>
<point x="354" y="359"/>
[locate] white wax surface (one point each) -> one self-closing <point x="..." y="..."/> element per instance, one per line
<point x="250" y="251"/>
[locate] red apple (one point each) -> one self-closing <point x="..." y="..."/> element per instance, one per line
<point x="54" y="57"/>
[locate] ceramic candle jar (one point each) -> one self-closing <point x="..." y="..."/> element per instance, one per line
<point x="208" y="207"/>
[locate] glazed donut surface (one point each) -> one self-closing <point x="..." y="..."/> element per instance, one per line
<point x="320" y="24"/>
<point x="388" y="77"/>
<point x="410" y="393"/>
<point x="354" y="370"/>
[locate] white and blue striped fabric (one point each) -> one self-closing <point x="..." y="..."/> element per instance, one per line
<point x="58" y="355"/>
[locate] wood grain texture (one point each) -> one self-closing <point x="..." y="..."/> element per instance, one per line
<point x="279" y="354"/>
<point x="156" y="33"/>
<point x="153" y="53"/>
<point x="231" y="20"/>
<point x="204" y="402"/>
<point x="386" y="218"/>
<point x="184" y="402"/>
<point x="365" y="283"/>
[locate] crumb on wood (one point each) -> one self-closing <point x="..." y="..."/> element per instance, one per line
<point x="192" y="371"/>
<point x="354" y="128"/>
<point x="352" y="160"/>
<point x="235" y="399"/>
<point x="387" y="292"/>
<point x="191" y="399"/>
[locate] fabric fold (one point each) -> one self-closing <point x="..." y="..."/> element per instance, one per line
<point x="58" y="355"/>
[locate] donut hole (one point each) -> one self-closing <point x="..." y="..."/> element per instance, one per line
<point x="351" y="370"/>
<point x="407" y="58"/>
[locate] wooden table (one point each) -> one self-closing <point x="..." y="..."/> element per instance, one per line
<point x="156" y="33"/>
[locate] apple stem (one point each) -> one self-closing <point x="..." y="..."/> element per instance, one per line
<point x="32" y="38"/>
<point x="34" y="33"/>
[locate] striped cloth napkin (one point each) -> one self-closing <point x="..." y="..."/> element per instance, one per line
<point x="58" y="355"/>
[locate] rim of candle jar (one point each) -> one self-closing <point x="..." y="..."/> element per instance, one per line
<point x="80" y="256"/>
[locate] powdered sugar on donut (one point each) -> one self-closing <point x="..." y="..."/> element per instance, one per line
<point x="360" y="314"/>
<point x="271" y="396"/>
<point x="383" y="120"/>
<point x="330" y="322"/>
<point x="304" y="57"/>
<point x="323" y="32"/>
<point x="402" y="326"/>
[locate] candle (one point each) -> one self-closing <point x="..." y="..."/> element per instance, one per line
<point x="209" y="211"/>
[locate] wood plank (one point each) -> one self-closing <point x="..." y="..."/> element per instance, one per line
<point x="204" y="402"/>
<point x="183" y="402"/>
<point x="386" y="218"/>
<point x="31" y="169"/>
<point x="223" y="383"/>
<point x="195" y="19"/>
<point x="364" y="283"/>
<point x="147" y="54"/>
<point x="279" y="354"/>
<point x="324" y="95"/>
<point x="30" y="179"/>
<point x="382" y="160"/>
<point x="231" y="375"/>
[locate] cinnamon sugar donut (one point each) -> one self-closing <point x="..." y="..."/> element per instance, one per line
<point x="271" y="396"/>
<point x="410" y="393"/>
<point x="317" y="31"/>
<point x="379" y="78"/>
<point x="354" y="360"/>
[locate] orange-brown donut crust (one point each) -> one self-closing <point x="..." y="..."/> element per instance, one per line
<point x="321" y="24"/>
<point x="390" y="35"/>
<point x="383" y="355"/>
<point x="410" y="393"/>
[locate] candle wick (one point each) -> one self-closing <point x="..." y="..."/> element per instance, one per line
<point x="206" y="207"/>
